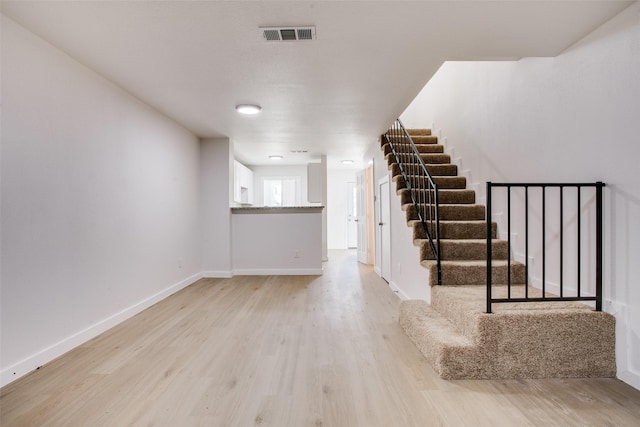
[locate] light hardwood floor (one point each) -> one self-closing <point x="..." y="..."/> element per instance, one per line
<point x="288" y="351"/>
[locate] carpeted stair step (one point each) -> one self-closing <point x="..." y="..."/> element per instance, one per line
<point x="416" y="132"/>
<point x="436" y="337"/>
<point x="443" y="182"/>
<point x="455" y="273"/>
<point x="434" y="170"/>
<point x="444" y="196"/>
<point x="540" y="340"/>
<point x="422" y="148"/>
<point x="456" y="230"/>
<point x="424" y="139"/>
<point x="463" y="249"/>
<point x="428" y="158"/>
<point x="455" y="304"/>
<point x="450" y="182"/>
<point x="417" y="139"/>
<point x="454" y="212"/>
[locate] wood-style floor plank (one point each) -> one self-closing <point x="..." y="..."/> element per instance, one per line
<point x="287" y="351"/>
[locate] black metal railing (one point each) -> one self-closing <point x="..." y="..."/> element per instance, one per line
<point x="584" y="253"/>
<point x="421" y="186"/>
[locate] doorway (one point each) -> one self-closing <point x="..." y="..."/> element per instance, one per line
<point x="361" y="219"/>
<point x="352" y="215"/>
<point x="384" y="227"/>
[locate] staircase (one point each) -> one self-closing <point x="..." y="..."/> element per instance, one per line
<point x="456" y="336"/>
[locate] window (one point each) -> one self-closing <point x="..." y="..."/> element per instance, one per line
<point x="281" y="191"/>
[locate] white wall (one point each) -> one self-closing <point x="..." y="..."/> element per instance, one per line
<point x="570" y="118"/>
<point x="337" y="211"/>
<point x="99" y="204"/>
<point x="216" y="194"/>
<point x="407" y="277"/>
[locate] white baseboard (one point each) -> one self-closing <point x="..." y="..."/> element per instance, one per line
<point x="217" y="274"/>
<point x="46" y="355"/>
<point x="377" y="270"/>
<point x="279" y="272"/>
<point x="631" y="378"/>
<point x="398" y="291"/>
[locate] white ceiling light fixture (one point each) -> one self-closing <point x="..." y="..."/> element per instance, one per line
<point x="347" y="162"/>
<point x="275" y="157"/>
<point x="248" y="109"/>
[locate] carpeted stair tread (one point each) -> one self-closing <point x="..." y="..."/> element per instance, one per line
<point x="424" y="139"/>
<point x="434" y="335"/>
<point x="444" y="196"/>
<point x="433" y="169"/>
<point x="474" y="272"/>
<point x="422" y="148"/>
<point x="428" y="158"/>
<point x="459" y="304"/>
<point x="417" y="140"/>
<point x="456" y="229"/>
<point x="463" y="249"/>
<point x="417" y="132"/>
<point x="443" y="182"/>
<point x="525" y="343"/>
<point x="458" y="212"/>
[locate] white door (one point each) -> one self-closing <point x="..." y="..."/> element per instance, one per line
<point x="361" y="218"/>
<point x="384" y="228"/>
<point x="352" y="215"/>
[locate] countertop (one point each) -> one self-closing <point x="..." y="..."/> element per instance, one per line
<point x="276" y="209"/>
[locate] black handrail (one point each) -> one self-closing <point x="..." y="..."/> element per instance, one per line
<point x="421" y="186"/>
<point x="597" y="236"/>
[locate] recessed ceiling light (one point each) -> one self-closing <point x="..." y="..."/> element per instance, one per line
<point x="347" y="162"/>
<point x="275" y="157"/>
<point x="248" y="109"/>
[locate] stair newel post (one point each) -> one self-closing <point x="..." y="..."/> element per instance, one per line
<point x="488" y="247"/>
<point x="599" y="186"/>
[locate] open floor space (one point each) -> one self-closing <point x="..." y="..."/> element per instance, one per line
<point x="288" y="351"/>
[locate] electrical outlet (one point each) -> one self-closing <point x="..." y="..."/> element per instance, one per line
<point x="296" y="254"/>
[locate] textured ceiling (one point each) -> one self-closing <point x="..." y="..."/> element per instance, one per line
<point x="195" y="60"/>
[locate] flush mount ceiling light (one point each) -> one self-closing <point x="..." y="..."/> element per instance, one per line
<point x="275" y="157"/>
<point x="248" y="109"/>
<point x="347" y="162"/>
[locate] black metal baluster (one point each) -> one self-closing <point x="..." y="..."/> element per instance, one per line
<point x="489" y="247"/>
<point x="526" y="242"/>
<point x="579" y="225"/>
<point x="544" y="242"/>
<point x="561" y="242"/>
<point x="509" y="242"/>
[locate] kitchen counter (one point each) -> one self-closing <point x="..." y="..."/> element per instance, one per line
<point x="277" y="240"/>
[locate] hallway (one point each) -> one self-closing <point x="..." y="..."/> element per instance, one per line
<point x="288" y="351"/>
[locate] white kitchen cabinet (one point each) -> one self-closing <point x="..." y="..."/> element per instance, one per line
<point x="242" y="184"/>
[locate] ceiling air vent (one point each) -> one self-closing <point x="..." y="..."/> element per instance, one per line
<point x="283" y="34"/>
